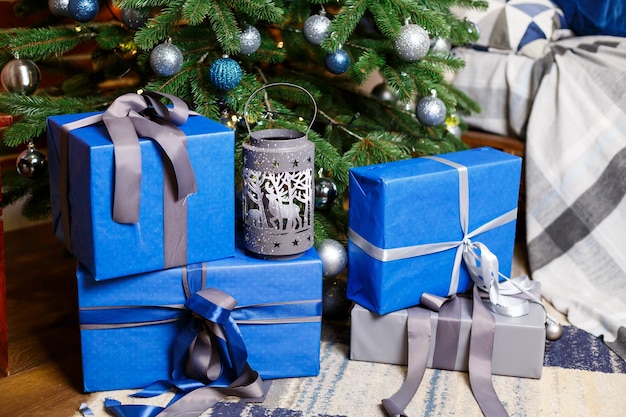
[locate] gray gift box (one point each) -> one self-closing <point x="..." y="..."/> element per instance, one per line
<point x="518" y="349"/>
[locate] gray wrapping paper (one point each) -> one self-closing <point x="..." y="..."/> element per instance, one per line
<point x="519" y="342"/>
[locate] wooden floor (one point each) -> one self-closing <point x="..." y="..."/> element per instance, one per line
<point x="44" y="351"/>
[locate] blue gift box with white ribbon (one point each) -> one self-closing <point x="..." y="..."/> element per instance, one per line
<point x="131" y="328"/>
<point x="410" y="220"/>
<point x="92" y="176"/>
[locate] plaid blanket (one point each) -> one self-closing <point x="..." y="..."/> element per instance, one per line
<point x="570" y="108"/>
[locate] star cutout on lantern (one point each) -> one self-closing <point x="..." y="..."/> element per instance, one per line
<point x="256" y="164"/>
<point x="277" y="244"/>
<point x="295" y="242"/>
<point x="276" y="164"/>
<point x="295" y="163"/>
<point x="308" y="159"/>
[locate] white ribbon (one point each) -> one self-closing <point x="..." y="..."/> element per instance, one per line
<point x="483" y="269"/>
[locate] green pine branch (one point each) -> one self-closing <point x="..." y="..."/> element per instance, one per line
<point x="41" y="43"/>
<point x="36" y="109"/>
<point x="344" y="23"/>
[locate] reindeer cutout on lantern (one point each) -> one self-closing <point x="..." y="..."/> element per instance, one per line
<point x="285" y="214"/>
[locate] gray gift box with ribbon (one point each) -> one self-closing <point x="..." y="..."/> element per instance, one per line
<point x="518" y="345"/>
<point x="148" y="189"/>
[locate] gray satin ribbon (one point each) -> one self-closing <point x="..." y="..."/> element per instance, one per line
<point x="480" y="355"/>
<point x="249" y="387"/>
<point x="480" y="351"/>
<point x="127" y="119"/>
<point x="394" y="254"/>
<point x="419" y="333"/>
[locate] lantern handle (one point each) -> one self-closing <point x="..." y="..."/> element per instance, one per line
<point x="245" y="110"/>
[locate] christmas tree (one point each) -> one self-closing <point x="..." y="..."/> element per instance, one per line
<point x="215" y="53"/>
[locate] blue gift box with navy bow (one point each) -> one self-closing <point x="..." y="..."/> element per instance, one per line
<point x="218" y="319"/>
<point x="410" y="222"/>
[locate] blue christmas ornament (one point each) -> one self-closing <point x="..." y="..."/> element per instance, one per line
<point x="83" y="10"/>
<point x="338" y="62"/>
<point x="225" y="74"/>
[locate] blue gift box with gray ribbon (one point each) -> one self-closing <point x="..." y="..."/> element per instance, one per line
<point x="410" y="220"/>
<point x="140" y="329"/>
<point x="133" y="192"/>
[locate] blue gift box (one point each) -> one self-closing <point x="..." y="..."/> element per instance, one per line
<point x="406" y="231"/>
<point x="109" y="249"/>
<point x="278" y="313"/>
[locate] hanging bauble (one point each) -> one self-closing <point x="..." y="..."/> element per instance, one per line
<point x="453" y="125"/>
<point x="225" y="74"/>
<point x="334" y="257"/>
<point x="166" y="59"/>
<point x="335" y="303"/>
<point x="134" y="18"/>
<point x="315" y="28"/>
<point x="31" y="163"/>
<point x="83" y="10"/>
<point x="440" y="45"/>
<point x="384" y="93"/>
<point x="59" y="8"/>
<point x="325" y="193"/>
<point x="337" y="62"/>
<point x="20" y="76"/>
<point x="229" y="119"/>
<point x="431" y="111"/>
<point x="473" y="30"/>
<point x="554" y="330"/>
<point x="412" y="43"/>
<point x="367" y="27"/>
<point x="250" y="40"/>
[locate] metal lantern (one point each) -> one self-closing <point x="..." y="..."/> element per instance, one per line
<point x="278" y="188"/>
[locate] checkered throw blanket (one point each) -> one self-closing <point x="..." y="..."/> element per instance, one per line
<point x="570" y="107"/>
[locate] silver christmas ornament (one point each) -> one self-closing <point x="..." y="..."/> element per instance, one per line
<point x="384" y="93"/>
<point x="325" y="193"/>
<point x="278" y="199"/>
<point x="554" y="330"/>
<point x="440" y="45"/>
<point x="334" y="257"/>
<point x="20" y="76"/>
<point x="250" y="40"/>
<point x="59" y="8"/>
<point x="315" y="28"/>
<point x="473" y="30"/>
<point x="413" y="43"/>
<point x="166" y="59"/>
<point x="431" y="111"/>
<point x="31" y="163"/>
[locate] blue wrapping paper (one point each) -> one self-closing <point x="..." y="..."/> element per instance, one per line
<point x="416" y="202"/>
<point x="108" y="249"/>
<point x="278" y="313"/>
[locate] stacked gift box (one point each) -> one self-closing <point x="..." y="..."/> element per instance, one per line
<point x="136" y="277"/>
<point x="411" y="222"/>
<point x="157" y="249"/>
